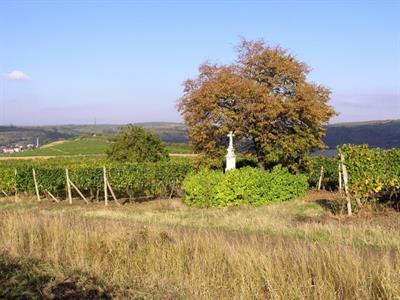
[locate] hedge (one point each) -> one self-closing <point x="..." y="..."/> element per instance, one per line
<point x="140" y="179"/>
<point x="210" y="188"/>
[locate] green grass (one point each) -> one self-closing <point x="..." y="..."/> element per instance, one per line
<point x="179" y="148"/>
<point x="86" y="146"/>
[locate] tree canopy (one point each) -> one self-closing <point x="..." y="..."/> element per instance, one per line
<point x="135" y="144"/>
<point x="265" y="98"/>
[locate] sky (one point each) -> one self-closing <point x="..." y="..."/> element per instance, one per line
<point x="74" y="62"/>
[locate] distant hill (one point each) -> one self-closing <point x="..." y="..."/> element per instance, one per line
<point x="11" y="135"/>
<point x="384" y="134"/>
<point x="23" y="135"/>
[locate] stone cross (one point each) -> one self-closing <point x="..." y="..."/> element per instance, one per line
<point x="230" y="135"/>
<point x="230" y="156"/>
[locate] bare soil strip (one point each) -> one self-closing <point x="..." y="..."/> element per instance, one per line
<point x="53" y="144"/>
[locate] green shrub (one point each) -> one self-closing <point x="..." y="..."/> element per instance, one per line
<point x="210" y="188"/>
<point x="199" y="187"/>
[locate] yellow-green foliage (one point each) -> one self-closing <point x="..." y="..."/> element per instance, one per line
<point x="373" y="173"/>
<point x="7" y="179"/>
<point x="243" y="186"/>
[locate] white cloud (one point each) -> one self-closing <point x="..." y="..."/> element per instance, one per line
<point x="17" y="75"/>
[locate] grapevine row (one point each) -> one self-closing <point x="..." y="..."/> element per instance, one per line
<point x="133" y="180"/>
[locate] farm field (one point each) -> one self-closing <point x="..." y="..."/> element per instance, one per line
<point x="89" y="146"/>
<point x="85" y="146"/>
<point x="164" y="249"/>
<point x="180" y="148"/>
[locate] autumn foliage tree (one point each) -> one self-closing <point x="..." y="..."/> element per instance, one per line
<point x="265" y="98"/>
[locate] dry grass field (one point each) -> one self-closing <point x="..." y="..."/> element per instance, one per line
<point x="162" y="249"/>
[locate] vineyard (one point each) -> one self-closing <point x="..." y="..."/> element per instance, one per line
<point x="149" y="180"/>
<point x="373" y="174"/>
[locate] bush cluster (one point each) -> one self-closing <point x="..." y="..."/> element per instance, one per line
<point x="211" y="188"/>
<point x="311" y="168"/>
<point x="373" y="173"/>
<point x="141" y="179"/>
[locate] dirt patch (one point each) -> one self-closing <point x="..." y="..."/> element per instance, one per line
<point x="73" y="288"/>
<point x="335" y="206"/>
<point x="388" y="218"/>
<point x="313" y="196"/>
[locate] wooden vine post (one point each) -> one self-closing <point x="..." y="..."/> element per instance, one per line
<point x="5" y="194"/>
<point x="346" y="187"/>
<point x="340" y="177"/>
<point x="68" y="186"/>
<point x="36" y="185"/>
<point x="105" y="186"/>
<point x="16" y="190"/>
<point x="78" y="191"/>
<point x="321" y="176"/>
<point x="52" y="196"/>
<point x="112" y="192"/>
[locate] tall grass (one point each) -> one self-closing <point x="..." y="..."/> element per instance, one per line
<point x="301" y="220"/>
<point x="201" y="263"/>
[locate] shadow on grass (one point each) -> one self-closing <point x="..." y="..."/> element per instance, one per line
<point x="28" y="280"/>
<point x="334" y="206"/>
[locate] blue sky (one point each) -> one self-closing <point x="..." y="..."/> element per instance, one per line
<point x="125" y="61"/>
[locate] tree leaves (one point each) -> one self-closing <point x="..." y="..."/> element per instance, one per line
<point x="264" y="98"/>
<point x="135" y="144"/>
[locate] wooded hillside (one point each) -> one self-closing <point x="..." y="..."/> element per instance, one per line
<point x="383" y="134"/>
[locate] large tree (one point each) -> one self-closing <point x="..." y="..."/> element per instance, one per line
<point x="265" y="98"/>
